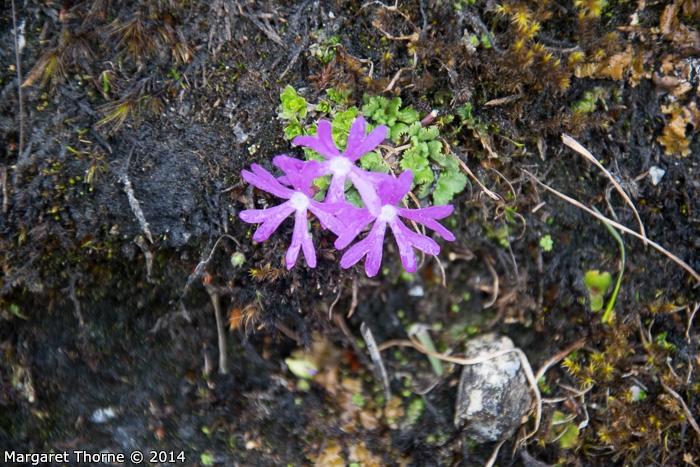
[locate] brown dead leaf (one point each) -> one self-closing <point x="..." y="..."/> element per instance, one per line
<point x="669" y="19"/>
<point x="617" y="65"/>
<point x="360" y="453"/>
<point x="674" y="136"/>
<point x="672" y="29"/>
<point x="330" y="456"/>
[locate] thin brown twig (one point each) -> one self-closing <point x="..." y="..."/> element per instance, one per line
<point x="330" y="310"/>
<point x="442" y="271"/>
<point x="494" y="274"/>
<point x="558" y="356"/>
<point x="690" y="322"/>
<point x="19" y="82"/>
<point x="288" y="332"/>
<point x="688" y="414"/>
<point x="621" y="227"/>
<point x="353" y="303"/>
<point x="578" y="147"/>
<point x="494" y="454"/>
<point x="490" y="193"/>
<point x="214" y="296"/>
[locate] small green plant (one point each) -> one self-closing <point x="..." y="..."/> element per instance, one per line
<point x="293" y="105"/>
<point x="546" y="243"/>
<point x="608" y="315"/>
<point x="420" y="148"/>
<point x="591" y="99"/>
<point x="597" y="284"/>
<point x="564" y="430"/>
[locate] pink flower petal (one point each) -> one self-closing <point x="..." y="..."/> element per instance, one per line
<point x="358" y="143"/>
<point x="354" y="221"/>
<point x="427" y="216"/>
<point x="326" y="214"/>
<point x="371" y="246"/>
<point x="406" y="239"/>
<point x="336" y="191"/>
<point x="264" y="180"/>
<point x="366" y="189"/>
<point x="301" y="238"/>
<point x="322" y="143"/>
<point x="300" y="174"/>
<point x="271" y="219"/>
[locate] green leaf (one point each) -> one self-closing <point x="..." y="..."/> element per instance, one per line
<point x="323" y="107"/>
<point x="335" y="96"/>
<point x="312" y="155"/>
<point x="292" y="104"/>
<point x="354" y="198"/>
<point x="447" y="162"/>
<point x="465" y="113"/>
<point x="597" y="284"/>
<point x="301" y="367"/>
<point x="341" y="126"/>
<point x="435" y="148"/>
<point x="546" y="243"/>
<point x="293" y="129"/>
<point x="449" y="183"/>
<point x="413" y="160"/>
<point x="397" y="131"/>
<point x="373" y="162"/>
<point x="427" y="134"/>
<point x="423" y="175"/>
<point x="408" y="115"/>
<point x="424" y="190"/>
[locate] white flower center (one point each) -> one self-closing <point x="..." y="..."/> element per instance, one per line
<point x="299" y="201"/>
<point x="340" y="166"/>
<point x="387" y="214"/>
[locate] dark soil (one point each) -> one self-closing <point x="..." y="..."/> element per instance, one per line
<point x="107" y="324"/>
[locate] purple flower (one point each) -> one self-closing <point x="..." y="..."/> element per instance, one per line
<point x="390" y="192"/>
<point x="380" y="193"/>
<point x="342" y="166"/>
<point x="299" y="202"/>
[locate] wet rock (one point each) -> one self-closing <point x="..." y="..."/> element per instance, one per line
<point x="103" y="415"/>
<point x="494" y="395"/>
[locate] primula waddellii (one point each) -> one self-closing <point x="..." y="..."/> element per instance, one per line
<point x="380" y="193"/>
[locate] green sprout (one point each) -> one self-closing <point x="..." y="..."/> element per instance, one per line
<point x="607" y="316"/>
<point x="546" y="243"/>
<point x="292" y="104"/>
<point x="563" y="429"/>
<point x="597" y="284"/>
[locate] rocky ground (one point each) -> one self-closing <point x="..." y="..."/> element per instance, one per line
<point x="124" y="128"/>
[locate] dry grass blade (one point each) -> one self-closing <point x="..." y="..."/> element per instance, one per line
<point x="19" y="97"/>
<point x="686" y="410"/>
<point x="49" y="67"/>
<point x="578" y="147"/>
<point x="490" y="193"/>
<point x="621" y="227"/>
<point x="380" y="370"/>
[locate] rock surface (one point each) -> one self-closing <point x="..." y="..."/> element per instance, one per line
<point x="494" y="395"/>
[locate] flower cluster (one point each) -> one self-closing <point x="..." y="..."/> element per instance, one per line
<point x="380" y="193"/>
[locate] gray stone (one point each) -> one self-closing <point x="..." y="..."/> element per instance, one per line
<point x="494" y="395"/>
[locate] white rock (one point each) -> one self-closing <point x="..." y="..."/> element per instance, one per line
<point x="656" y="174"/>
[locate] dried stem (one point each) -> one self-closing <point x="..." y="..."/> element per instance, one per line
<point x="576" y="146"/>
<point x="214" y="296"/>
<point x="688" y="414"/>
<point x="621" y="227"/>
<point x="19" y="82"/>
